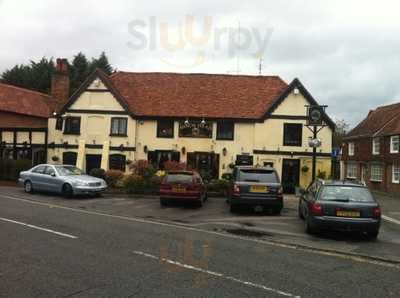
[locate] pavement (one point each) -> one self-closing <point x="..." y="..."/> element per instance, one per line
<point x="131" y="247"/>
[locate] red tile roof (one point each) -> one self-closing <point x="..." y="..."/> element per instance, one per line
<point x="198" y="95"/>
<point x="27" y="102"/>
<point x="381" y="121"/>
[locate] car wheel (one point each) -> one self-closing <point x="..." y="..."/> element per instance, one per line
<point x="373" y="235"/>
<point x="67" y="191"/>
<point x="301" y="216"/>
<point x="28" y="187"/>
<point x="233" y="208"/>
<point x="308" y="228"/>
<point x="277" y="211"/>
<point x="163" y="202"/>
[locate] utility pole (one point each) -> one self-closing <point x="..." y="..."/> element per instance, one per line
<point x="314" y="156"/>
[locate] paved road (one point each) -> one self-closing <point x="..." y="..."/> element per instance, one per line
<point x="57" y="251"/>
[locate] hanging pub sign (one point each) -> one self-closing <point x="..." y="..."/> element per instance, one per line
<point x="195" y="129"/>
<point x="315" y="115"/>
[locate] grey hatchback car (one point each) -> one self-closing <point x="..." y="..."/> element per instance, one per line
<point x="64" y="179"/>
<point x="340" y="205"/>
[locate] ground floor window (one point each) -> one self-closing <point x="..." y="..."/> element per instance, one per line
<point x="69" y="158"/>
<point x="158" y="157"/>
<point x="396" y="174"/>
<point x="351" y="171"/>
<point x="117" y="162"/>
<point x="376" y="173"/>
<point x="207" y="164"/>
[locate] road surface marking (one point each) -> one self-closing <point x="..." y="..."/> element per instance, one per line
<point x="213" y="273"/>
<point x="324" y="252"/>
<point x="392" y="220"/>
<point x="38" y="228"/>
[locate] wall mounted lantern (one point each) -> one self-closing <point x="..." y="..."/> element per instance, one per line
<point x="145" y="149"/>
<point x="224" y="151"/>
<point x="183" y="150"/>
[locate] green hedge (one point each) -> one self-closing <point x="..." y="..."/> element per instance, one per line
<point x="10" y="169"/>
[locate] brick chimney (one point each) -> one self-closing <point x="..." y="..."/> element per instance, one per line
<point x="60" y="81"/>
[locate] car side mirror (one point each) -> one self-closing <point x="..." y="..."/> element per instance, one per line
<point x="53" y="174"/>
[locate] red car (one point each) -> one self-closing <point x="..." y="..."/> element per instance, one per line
<point x="183" y="186"/>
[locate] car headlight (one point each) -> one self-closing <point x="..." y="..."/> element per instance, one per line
<point x="80" y="183"/>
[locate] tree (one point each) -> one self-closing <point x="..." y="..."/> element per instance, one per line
<point x="37" y="75"/>
<point x="340" y="132"/>
<point x="79" y="71"/>
<point x="102" y="63"/>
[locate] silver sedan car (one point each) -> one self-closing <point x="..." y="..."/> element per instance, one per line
<point x="64" y="179"/>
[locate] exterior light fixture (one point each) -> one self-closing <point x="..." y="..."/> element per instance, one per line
<point x="145" y="149"/>
<point x="187" y="122"/>
<point x="54" y="113"/>
<point x="203" y="123"/>
<point x="224" y="151"/>
<point x="183" y="150"/>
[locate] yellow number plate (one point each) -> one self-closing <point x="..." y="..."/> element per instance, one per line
<point x="348" y="213"/>
<point x="178" y="189"/>
<point x="258" y="188"/>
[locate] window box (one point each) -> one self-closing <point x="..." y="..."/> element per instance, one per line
<point x="119" y="127"/>
<point x="165" y="129"/>
<point x="225" y="130"/>
<point x="72" y="126"/>
<point x="292" y="134"/>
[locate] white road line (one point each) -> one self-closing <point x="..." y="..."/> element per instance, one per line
<point x="323" y="252"/>
<point x="38" y="228"/>
<point x="216" y="274"/>
<point x="392" y="220"/>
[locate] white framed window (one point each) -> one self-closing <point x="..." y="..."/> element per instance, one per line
<point x="376" y="146"/>
<point x="376" y="173"/>
<point x="351" y="149"/>
<point x="394" y="144"/>
<point x="396" y="173"/>
<point x="351" y="171"/>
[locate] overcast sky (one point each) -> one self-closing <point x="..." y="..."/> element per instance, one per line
<point x="345" y="52"/>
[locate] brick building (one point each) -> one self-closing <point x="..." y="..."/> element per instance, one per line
<point x="371" y="150"/>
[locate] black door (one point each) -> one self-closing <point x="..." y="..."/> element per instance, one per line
<point x="290" y="175"/>
<point x="207" y="164"/>
<point x="93" y="161"/>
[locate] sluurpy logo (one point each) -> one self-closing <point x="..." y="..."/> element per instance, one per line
<point x="172" y="40"/>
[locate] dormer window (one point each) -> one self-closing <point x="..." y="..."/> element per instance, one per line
<point x="376" y="144"/>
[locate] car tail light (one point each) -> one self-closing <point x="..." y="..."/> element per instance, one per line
<point x="236" y="190"/>
<point x="280" y="191"/>
<point x="376" y="213"/>
<point x="316" y="209"/>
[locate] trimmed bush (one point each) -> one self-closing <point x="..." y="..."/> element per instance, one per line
<point x="113" y="178"/>
<point x="143" y="168"/>
<point x="219" y="186"/>
<point x="99" y="173"/>
<point x="134" y="184"/>
<point x="171" y="165"/>
<point x="10" y="169"/>
<point x="227" y="176"/>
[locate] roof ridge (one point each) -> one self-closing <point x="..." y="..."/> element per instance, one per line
<point x="386" y="124"/>
<point x="386" y="106"/>
<point x="194" y="74"/>
<point x="25" y="89"/>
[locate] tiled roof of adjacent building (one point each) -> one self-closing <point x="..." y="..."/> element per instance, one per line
<point x="384" y="120"/>
<point x="27" y="102"/>
<point x="198" y="95"/>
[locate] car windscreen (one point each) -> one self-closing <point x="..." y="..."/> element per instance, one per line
<point x="258" y="175"/>
<point x="68" y="170"/>
<point x="179" y="178"/>
<point x="346" y="193"/>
